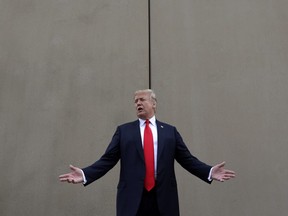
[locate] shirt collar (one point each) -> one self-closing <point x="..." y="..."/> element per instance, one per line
<point x="152" y="121"/>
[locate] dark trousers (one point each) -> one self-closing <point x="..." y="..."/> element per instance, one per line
<point x="148" y="205"/>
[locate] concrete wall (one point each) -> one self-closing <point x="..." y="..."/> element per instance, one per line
<point x="68" y="73"/>
<point x="220" y="69"/>
<point x="68" y="70"/>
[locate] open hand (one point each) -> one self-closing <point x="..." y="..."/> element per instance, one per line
<point x="221" y="174"/>
<point x="74" y="177"/>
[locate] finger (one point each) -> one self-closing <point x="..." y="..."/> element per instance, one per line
<point x="220" y="179"/>
<point x="231" y="175"/>
<point x="227" y="178"/>
<point x="64" y="175"/>
<point x="229" y="171"/>
<point x="224" y="178"/>
<point x="63" y="180"/>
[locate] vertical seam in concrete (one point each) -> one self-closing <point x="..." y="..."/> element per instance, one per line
<point x="149" y="44"/>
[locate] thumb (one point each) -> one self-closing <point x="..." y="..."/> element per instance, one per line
<point x="221" y="164"/>
<point x="72" y="167"/>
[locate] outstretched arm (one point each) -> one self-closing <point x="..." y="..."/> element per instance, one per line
<point x="218" y="173"/>
<point x="74" y="177"/>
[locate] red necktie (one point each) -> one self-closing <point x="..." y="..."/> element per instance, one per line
<point x="149" y="181"/>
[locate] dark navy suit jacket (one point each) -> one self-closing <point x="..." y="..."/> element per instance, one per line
<point x="126" y="146"/>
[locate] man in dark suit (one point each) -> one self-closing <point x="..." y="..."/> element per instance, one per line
<point x="141" y="194"/>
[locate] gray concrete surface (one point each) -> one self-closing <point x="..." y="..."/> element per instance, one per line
<point x="68" y="70"/>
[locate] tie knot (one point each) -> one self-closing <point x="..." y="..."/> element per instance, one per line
<point x="147" y="122"/>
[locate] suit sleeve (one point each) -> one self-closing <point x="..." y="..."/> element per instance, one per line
<point x="107" y="161"/>
<point x="190" y="162"/>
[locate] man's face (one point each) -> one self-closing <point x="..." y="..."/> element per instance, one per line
<point x="145" y="107"/>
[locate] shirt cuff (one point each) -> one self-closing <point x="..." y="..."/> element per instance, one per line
<point x="84" y="178"/>
<point x="210" y="175"/>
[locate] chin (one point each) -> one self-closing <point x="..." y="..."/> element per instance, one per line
<point x="141" y="116"/>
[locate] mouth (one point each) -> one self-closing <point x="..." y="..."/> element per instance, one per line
<point x="139" y="109"/>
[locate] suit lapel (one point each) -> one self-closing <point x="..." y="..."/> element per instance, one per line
<point x="136" y="131"/>
<point x="160" y="132"/>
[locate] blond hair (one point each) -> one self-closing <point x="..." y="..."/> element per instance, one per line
<point x="148" y="91"/>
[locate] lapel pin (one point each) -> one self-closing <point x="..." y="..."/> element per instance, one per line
<point x="162" y="126"/>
